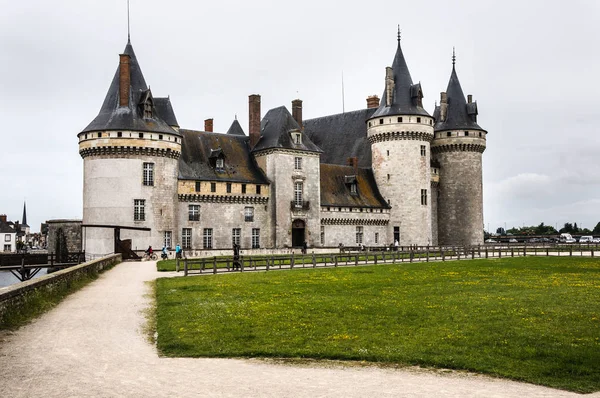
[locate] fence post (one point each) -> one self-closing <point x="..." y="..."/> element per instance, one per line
<point x="356" y="258"/>
<point x="268" y="263"/>
<point x="336" y="260"/>
<point x="592" y="252"/>
<point x="185" y="267"/>
<point x="292" y="261"/>
<point x="457" y="253"/>
<point x="375" y="258"/>
<point x="241" y="263"/>
<point x="427" y="254"/>
<point x="571" y="251"/>
<point x="214" y="264"/>
<point x="314" y="260"/>
<point x="472" y="254"/>
<point x="443" y="255"/>
<point x="512" y="252"/>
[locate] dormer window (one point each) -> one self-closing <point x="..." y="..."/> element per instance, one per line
<point x="353" y="189"/>
<point x="220" y="164"/>
<point x="147" y="110"/>
<point x="297" y="138"/>
<point x="352" y="184"/>
<point x="217" y="159"/>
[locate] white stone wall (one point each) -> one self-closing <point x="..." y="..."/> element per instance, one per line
<point x="9" y="239"/>
<point x="222" y="218"/>
<point x="401" y="172"/>
<point x="278" y="165"/>
<point x="110" y="187"/>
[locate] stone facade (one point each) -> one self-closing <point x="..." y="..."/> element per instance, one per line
<point x="72" y="231"/>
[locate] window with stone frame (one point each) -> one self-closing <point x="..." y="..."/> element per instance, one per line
<point x="249" y="214"/>
<point x="7" y="238"/>
<point x="298" y="191"/>
<point x="236" y="236"/>
<point x="359" y="235"/>
<point x="139" y="210"/>
<point x="168" y="241"/>
<point x="297" y="138"/>
<point x="297" y="163"/>
<point x="228" y="187"/>
<point x="207" y="238"/>
<point x="213" y="187"/>
<point x="243" y="188"/>
<point x="423" y="150"/>
<point x="258" y="189"/>
<point x="220" y="164"/>
<point x="149" y="174"/>
<point x="7" y="248"/>
<point x="194" y="212"/>
<point x="376" y="237"/>
<point x="198" y="184"/>
<point x="353" y="189"/>
<point x="256" y="238"/>
<point x="186" y="238"/>
<point x="147" y="109"/>
<point x="423" y="197"/>
<point x="322" y="235"/>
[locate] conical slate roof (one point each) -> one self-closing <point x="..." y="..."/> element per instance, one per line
<point x="115" y="117"/>
<point x="24" y="219"/>
<point x="236" y="129"/>
<point x="405" y="101"/>
<point x="459" y="114"/>
<point x="275" y="129"/>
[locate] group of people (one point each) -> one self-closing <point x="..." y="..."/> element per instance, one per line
<point x="164" y="252"/>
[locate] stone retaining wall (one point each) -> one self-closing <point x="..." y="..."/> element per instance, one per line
<point x="16" y="296"/>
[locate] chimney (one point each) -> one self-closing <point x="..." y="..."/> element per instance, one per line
<point x="372" y="101"/>
<point x="443" y="106"/>
<point x="254" y="119"/>
<point x="3" y="218"/>
<point x="124" y="79"/>
<point x="469" y="98"/>
<point x="208" y="125"/>
<point x="389" y="86"/>
<point x="297" y="112"/>
<point x="354" y="163"/>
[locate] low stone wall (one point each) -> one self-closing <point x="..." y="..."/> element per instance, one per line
<point x="15" y="297"/>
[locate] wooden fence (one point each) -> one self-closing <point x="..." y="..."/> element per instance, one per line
<point x="220" y="264"/>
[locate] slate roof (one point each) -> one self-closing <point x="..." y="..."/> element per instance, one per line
<point x="460" y="115"/>
<point x="6" y="228"/>
<point x="115" y="117"/>
<point x="195" y="162"/>
<point x="165" y="111"/>
<point x="335" y="190"/>
<point x="341" y="136"/>
<point x="404" y="101"/>
<point x="236" y="129"/>
<point x="275" y="129"/>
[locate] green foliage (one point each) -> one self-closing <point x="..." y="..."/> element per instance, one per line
<point x="541" y="229"/>
<point x="597" y="229"/>
<point x="531" y="319"/>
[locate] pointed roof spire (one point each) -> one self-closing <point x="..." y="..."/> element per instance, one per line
<point x="406" y="96"/>
<point x="460" y="115"/>
<point x="235" y="128"/>
<point x="453" y="57"/>
<point x="399" y="33"/>
<point x="24" y="219"/>
<point x="128" y="26"/>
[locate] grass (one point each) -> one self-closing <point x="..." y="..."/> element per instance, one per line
<point x="530" y="319"/>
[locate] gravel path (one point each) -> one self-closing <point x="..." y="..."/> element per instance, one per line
<point x="92" y="345"/>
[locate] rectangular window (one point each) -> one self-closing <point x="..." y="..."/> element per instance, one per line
<point x="139" y="209"/>
<point x="418" y="120"/>
<point x="466" y="133"/>
<point x="423" y="150"/>
<point x="258" y="189"/>
<point x="400" y="120"/>
<point x="197" y="186"/>
<point x="249" y="214"/>
<point x="236" y="236"/>
<point x="220" y="164"/>
<point x="298" y="188"/>
<point x="186" y="238"/>
<point x="353" y="189"/>
<point x="297" y="163"/>
<point x="7" y="238"/>
<point x="396" y="234"/>
<point x="7" y="248"/>
<point x="120" y="134"/>
<point x="194" y="212"/>
<point x="376" y="237"/>
<point x="255" y="238"/>
<point x="141" y="135"/>
<point x="424" y="197"/>
<point x="449" y="134"/>
<point x="99" y="135"/>
<point x="207" y="238"/>
<point x="149" y="174"/>
<point x="228" y="187"/>
<point x="359" y="235"/>
<point x="243" y="188"/>
<point x="380" y="121"/>
<point x="168" y="239"/>
<point x="322" y="235"/>
<point x="213" y="187"/>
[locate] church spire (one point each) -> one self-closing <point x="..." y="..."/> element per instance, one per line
<point x="24" y="218"/>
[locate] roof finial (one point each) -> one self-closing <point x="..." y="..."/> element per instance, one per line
<point x="399" y="33"/>
<point x="128" y="28"/>
<point x="453" y="57"/>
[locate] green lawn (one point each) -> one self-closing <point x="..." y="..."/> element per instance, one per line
<point x="531" y="319"/>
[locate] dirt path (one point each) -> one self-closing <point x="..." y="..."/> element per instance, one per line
<point x="92" y="345"/>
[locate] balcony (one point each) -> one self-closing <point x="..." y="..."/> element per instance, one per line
<point x="298" y="206"/>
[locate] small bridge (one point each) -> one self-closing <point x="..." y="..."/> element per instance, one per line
<point x="25" y="266"/>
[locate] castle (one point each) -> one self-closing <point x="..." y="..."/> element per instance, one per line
<point x="390" y="172"/>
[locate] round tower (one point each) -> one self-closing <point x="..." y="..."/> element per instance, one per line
<point x="400" y="133"/>
<point x="130" y="157"/>
<point x="458" y="147"/>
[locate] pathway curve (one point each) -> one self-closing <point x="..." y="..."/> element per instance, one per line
<point x="92" y="345"/>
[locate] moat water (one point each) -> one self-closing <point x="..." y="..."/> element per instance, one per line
<point x="7" y="278"/>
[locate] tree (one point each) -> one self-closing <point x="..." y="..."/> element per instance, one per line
<point x="500" y="231"/>
<point x="575" y="228"/>
<point x="567" y="229"/>
<point x="597" y="229"/>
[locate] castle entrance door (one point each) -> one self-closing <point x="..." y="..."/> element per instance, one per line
<point x="298" y="228"/>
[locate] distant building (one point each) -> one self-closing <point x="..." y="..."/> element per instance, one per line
<point x="8" y="234"/>
<point x="389" y="172"/>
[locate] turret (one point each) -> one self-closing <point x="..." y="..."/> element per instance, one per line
<point x="457" y="147"/>
<point x="400" y="132"/>
<point x="130" y="153"/>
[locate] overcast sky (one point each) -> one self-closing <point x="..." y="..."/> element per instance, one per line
<point x="533" y="67"/>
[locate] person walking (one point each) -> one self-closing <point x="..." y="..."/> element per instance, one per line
<point x="178" y="251"/>
<point x="236" y="256"/>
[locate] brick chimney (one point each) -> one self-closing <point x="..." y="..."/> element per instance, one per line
<point x="124" y="79"/>
<point x="3" y="218"/>
<point x="372" y="101"/>
<point x="297" y="111"/>
<point x="208" y="125"/>
<point x="470" y="98"/>
<point x="354" y="163"/>
<point x="443" y="106"/>
<point x="254" y="119"/>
